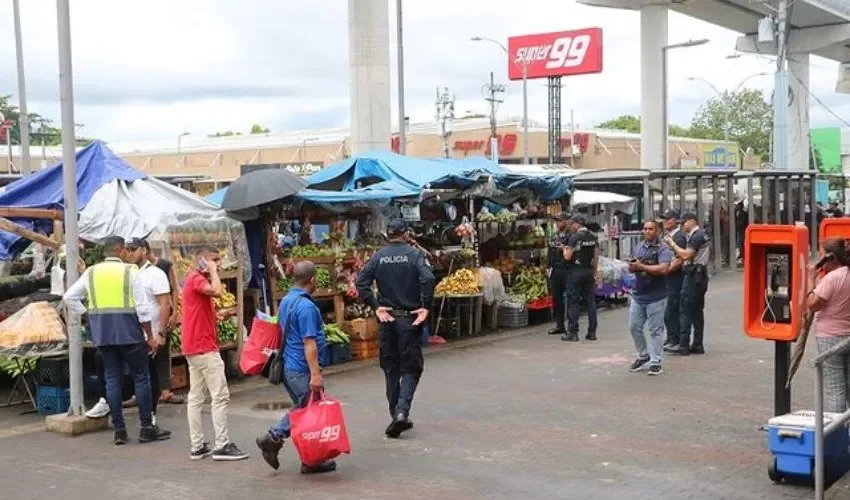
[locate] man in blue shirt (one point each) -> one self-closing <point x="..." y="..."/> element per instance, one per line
<point x="650" y="263"/>
<point x="304" y="353"/>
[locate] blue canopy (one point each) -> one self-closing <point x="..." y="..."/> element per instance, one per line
<point x="412" y="173"/>
<point x="97" y="165"/>
<point x="217" y="196"/>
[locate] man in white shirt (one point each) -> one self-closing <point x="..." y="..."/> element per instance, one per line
<point x="153" y="301"/>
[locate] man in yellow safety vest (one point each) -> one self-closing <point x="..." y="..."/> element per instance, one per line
<point x="118" y="334"/>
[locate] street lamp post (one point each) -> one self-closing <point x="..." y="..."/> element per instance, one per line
<point x="524" y="66"/>
<point x="180" y="141"/>
<point x="23" y="121"/>
<point x="666" y="132"/>
<point x="402" y="133"/>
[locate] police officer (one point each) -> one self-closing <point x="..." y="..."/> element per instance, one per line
<point x="581" y="252"/>
<point x="405" y="293"/>
<point x="557" y="272"/>
<point x="674" y="280"/>
<point x="694" y="256"/>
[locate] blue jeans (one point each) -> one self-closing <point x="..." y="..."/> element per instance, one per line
<point x="135" y="357"/>
<point x="297" y="385"/>
<point x="652" y="315"/>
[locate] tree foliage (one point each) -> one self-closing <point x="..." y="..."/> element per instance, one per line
<point x="40" y="128"/>
<point x="259" y="129"/>
<point x="229" y="133"/>
<point x="629" y="123"/>
<point x="749" y="115"/>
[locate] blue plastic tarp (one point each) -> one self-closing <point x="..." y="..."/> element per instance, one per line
<point x="410" y="172"/>
<point x="97" y="165"/>
<point x="217" y="197"/>
<point x="375" y="192"/>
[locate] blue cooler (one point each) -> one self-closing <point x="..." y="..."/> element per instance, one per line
<point x="791" y="439"/>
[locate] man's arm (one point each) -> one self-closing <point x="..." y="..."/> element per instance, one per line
<point x="365" y="280"/>
<point x="310" y="324"/>
<point x="164" y="301"/>
<point x="175" y="292"/>
<point x="213" y="288"/>
<point x="663" y="267"/>
<point x="426" y="282"/>
<point x="75" y="294"/>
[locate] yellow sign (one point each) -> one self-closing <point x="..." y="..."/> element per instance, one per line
<point x="719" y="155"/>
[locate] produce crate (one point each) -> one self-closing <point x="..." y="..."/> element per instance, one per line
<point x="364" y="349"/>
<point x="362" y="329"/>
<point x="53" y="372"/>
<point x="51" y="400"/>
<point x="179" y="377"/>
<point x="339" y="353"/>
<point x="510" y="317"/>
<point x="540" y="316"/>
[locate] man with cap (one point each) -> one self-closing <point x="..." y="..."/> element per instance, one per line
<point x="557" y="271"/>
<point x="405" y="294"/>
<point x="694" y="255"/>
<point x="582" y="253"/>
<point x="674" y="279"/>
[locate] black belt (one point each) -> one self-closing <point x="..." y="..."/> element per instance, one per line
<point x="401" y="313"/>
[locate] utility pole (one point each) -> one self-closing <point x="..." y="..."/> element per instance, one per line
<point x="402" y="133"/>
<point x="445" y="104"/>
<point x="491" y="93"/>
<point x="23" y="121"/>
<point x="780" y="94"/>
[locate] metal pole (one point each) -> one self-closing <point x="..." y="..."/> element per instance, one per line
<point x="751" y="204"/>
<point x="24" y="120"/>
<point x="731" y="226"/>
<point x="780" y="94"/>
<point x="813" y="218"/>
<point x="781" y="364"/>
<point x="572" y="138"/>
<point x="682" y="195"/>
<point x="665" y="160"/>
<point x="493" y="130"/>
<point x="402" y="134"/>
<point x="9" y="146"/>
<point x="69" y="177"/>
<point x="179" y="142"/>
<point x="525" y="150"/>
<point x="715" y="229"/>
<point x="819" y="472"/>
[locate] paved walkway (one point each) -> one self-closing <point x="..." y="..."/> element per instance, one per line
<point x="526" y="417"/>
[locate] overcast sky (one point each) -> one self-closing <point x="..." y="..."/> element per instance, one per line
<point x="151" y="70"/>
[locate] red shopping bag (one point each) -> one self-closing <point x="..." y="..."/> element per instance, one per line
<point x="263" y="341"/>
<point x="318" y="430"/>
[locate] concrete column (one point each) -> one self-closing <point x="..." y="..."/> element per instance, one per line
<point x="653" y="38"/>
<point x="369" y="70"/>
<point x="798" y="112"/>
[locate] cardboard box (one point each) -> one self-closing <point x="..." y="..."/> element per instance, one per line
<point x="362" y="329"/>
<point x="364" y="349"/>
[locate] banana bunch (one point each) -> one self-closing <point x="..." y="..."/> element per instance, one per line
<point x="226" y="301"/>
<point x="463" y="282"/>
<point x="10" y="367"/>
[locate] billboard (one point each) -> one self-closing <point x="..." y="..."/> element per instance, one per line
<point x="562" y="53"/>
<point x="719" y="155"/>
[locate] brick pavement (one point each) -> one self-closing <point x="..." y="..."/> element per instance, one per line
<point x="526" y="417"/>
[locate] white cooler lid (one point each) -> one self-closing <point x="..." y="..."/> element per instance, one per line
<point x="801" y="419"/>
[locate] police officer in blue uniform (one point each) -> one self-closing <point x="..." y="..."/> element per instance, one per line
<point x="557" y="271"/>
<point x="674" y="280"/>
<point x="405" y="294"/>
<point x="581" y="253"/>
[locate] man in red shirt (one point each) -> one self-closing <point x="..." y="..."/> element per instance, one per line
<point x="206" y="368"/>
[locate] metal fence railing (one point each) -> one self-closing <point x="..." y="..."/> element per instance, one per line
<point x="836" y="425"/>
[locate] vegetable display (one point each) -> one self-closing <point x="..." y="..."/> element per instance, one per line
<point x="12" y="368"/>
<point x="531" y="283"/>
<point x="358" y="311"/>
<point x="462" y="282"/>
<point x="323" y="278"/>
<point x="335" y="335"/>
<point x="226" y="332"/>
<point x="311" y="251"/>
<point x="175" y="336"/>
<point x="284" y="284"/>
<point x="226" y="301"/>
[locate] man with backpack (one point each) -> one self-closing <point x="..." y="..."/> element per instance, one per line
<point x="304" y="352"/>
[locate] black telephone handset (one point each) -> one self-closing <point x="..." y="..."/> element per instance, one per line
<point x="774" y="278"/>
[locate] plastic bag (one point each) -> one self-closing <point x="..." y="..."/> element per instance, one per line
<point x="318" y="430"/>
<point x="262" y="343"/>
<point x="612" y="271"/>
<point x="492" y="285"/>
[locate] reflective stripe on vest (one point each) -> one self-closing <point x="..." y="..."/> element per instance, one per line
<point x="110" y="289"/>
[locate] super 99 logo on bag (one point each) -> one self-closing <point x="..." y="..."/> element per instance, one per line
<point x="328" y="434"/>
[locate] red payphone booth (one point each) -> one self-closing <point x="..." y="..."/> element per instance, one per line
<point x="775" y="262"/>
<point x="834" y="228"/>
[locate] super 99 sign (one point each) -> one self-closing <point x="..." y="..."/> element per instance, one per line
<point x="562" y="53"/>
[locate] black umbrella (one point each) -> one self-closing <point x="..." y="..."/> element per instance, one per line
<point x="261" y="186"/>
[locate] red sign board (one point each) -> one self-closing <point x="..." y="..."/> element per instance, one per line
<point x="507" y="145"/>
<point x="563" y="53"/>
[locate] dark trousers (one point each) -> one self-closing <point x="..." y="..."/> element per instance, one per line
<point x="672" y="320"/>
<point x="135" y="357"/>
<point x="402" y="362"/>
<point x="558" y="287"/>
<point x="581" y="285"/>
<point x="694" y="287"/>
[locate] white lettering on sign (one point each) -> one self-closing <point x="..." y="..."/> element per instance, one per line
<point x="568" y="52"/>
<point x="326" y="435"/>
<point x="536" y="53"/>
<point x="393" y="259"/>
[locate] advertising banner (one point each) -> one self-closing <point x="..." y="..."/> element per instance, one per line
<point x="719" y="155"/>
<point x="561" y="53"/>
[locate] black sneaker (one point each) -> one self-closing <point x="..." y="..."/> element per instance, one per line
<point x="655" y="370"/>
<point x="638" y="365"/>
<point x="270" y="448"/>
<point x="120" y="437"/>
<point x="153" y="433"/>
<point x="203" y="452"/>
<point x="570" y="337"/>
<point x="590" y="336"/>
<point x="326" y="466"/>
<point x="696" y="349"/>
<point x="397" y="426"/>
<point x="229" y="453"/>
<point x="679" y="350"/>
<point x="557" y="331"/>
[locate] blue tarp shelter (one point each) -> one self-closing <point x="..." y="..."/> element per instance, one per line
<point x="217" y="197"/>
<point x="96" y="165"/>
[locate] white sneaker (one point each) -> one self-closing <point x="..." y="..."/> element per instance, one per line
<point x="100" y="410"/>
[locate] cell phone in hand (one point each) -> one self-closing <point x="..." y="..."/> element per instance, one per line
<point x="202" y="264"/>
